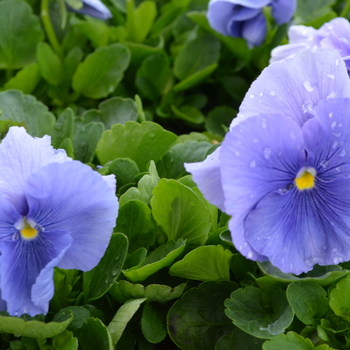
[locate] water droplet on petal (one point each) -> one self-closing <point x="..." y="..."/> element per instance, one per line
<point x="335" y="144"/>
<point x="330" y="114"/>
<point x="307" y="106"/>
<point x="267" y="152"/>
<point x="252" y="164"/>
<point x="337" y="62"/>
<point x="331" y="95"/>
<point x="251" y="95"/>
<point x="237" y="153"/>
<point x="324" y="163"/>
<point x="272" y="93"/>
<point x="308" y="86"/>
<point x="263" y="123"/>
<point x="330" y="76"/>
<point x="342" y="153"/>
<point x="250" y="255"/>
<point x="334" y="124"/>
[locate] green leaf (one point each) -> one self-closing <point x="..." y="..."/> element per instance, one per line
<point x="51" y="67"/>
<point x="94" y="335"/>
<point x="144" y="189"/>
<point x="65" y="341"/>
<point x="308" y="301"/>
<point x="198" y="320"/>
<point x="80" y="313"/>
<point x="196" y="55"/>
<point x="239" y="340"/>
<point x="261" y="313"/>
<point x="322" y="275"/>
<point x="116" y="110"/>
<point x="180" y="212"/>
<point x="85" y="141"/>
<point x="94" y="30"/>
<point x="140" y="21"/>
<point x="139" y="142"/>
<point x="136" y="222"/>
<point x="76" y="4"/>
<point x="289" y="341"/>
<point x="122" y="317"/>
<point x="20" y="32"/>
<point x="237" y="46"/>
<point x="101" y="71"/>
<point x="219" y="120"/>
<point x="195" y="78"/>
<point x="25" y="80"/>
<point x="26" y="108"/>
<point x="64" y="128"/>
<point x="153" y="76"/>
<point x="124" y="290"/>
<point x="208" y="263"/>
<point x="97" y="281"/>
<point x="153" y="324"/>
<point x="309" y="10"/>
<point x="189" y="114"/>
<point x="161" y="257"/>
<point x="35" y="329"/>
<point x="172" y="163"/>
<point x="340" y="298"/>
<point x="125" y="171"/>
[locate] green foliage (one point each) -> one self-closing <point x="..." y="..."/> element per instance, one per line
<point x="198" y="321"/>
<point x="137" y="96"/>
<point x="20" y="32"/>
<point x="99" y="74"/>
<point x="263" y="314"/>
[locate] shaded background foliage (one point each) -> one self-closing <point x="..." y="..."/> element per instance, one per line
<point x="137" y="96"/>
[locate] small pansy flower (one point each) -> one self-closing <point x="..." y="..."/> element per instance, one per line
<point x="54" y="212"/>
<point x="283" y="170"/>
<point x="245" y="18"/>
<point x="334" y="35"/>
<point x="93" y="8"/>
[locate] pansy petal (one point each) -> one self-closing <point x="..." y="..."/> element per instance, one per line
<point x="327" y="138"/>
<point x="207" y="176"/>
<point x="302" y="228"/>
<point x="94" y="8"/>
<point x="43" y="288"/>
<point x="247" y="3"/>
<point x="219" y="15"/>
<point x="72" y="197"/>
<point x="20" y="156"/>
<point x="254" y="30"/>
<point x="296" y="85"/>
<point x="243" y="13"/>
<point x="283" y="10"/>
<point x="254" y="164"/>
<point x="21" y="263"/>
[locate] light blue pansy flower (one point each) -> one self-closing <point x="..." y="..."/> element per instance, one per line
<point x="54" y="212"/>
<point x="283" y="170"/>
<point x="333" y="35"/>
<point x="245" y="19"/>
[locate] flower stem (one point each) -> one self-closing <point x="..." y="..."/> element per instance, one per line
<point x="346" y="9"/>
<point x="45" y="16"/>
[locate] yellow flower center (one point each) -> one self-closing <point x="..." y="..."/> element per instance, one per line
<point x="28" y="232"/>
<point x="305" y="179"/>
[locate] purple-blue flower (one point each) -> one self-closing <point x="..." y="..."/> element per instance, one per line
<point x="93" y="8"/>
<point x="245" y="18"/>
<point x="54" y="212"/>
<point x="334" y="35"/>
<point x="283" y="170"/>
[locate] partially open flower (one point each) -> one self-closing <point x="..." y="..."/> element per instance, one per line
<point x="245" y="19"/>
<point x="93" y="8"/>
